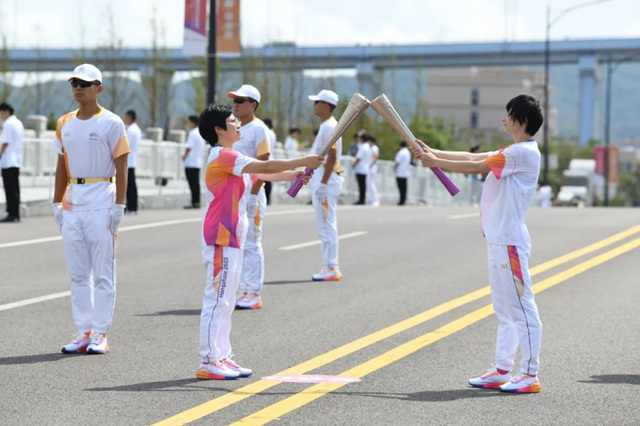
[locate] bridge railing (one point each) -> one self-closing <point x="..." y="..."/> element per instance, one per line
<point x="163" y="159"/>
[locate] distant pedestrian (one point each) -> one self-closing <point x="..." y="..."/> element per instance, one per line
<point x="544" y="195"/>
<point x="11" y="160"/>
<point x="361" y="168"/>
<point x="291" y="143"/>
<point x="372" y="189"/>
<point x="135" y="136"/>
<point x="401" y="169"/>
<point x="192" y="158"/>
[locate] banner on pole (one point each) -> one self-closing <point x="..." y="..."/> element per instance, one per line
<point x="195" y="28"/>
<point x="228" y="28"/>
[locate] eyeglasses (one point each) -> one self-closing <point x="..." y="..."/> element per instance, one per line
<point x="82" y="84"/>
<point x="242" y="100"/>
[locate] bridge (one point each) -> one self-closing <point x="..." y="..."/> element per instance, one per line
<point x="366" y="60"/>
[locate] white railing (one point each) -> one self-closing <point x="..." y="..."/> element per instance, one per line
<point x="163" y="159"/>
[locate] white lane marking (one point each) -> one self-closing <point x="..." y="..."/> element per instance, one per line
<point x="464" y="216"/>
<point x="143" y="226"/>
<point x="317" y="242"/>
<point x="26" y="302"/>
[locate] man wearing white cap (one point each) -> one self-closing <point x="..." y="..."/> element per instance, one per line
<point x="88" y="204"/>
<point x="326" y="185"/>
<point x="254" y="143"/>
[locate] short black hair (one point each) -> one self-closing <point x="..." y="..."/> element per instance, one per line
<point x="294" y="130"/>
<point x="315" y="132"/>
<point x="132" y="115"/>
<point x="212" y="116"/>
<point x="268" y="122"/>
<point x="525" y="109"/>
<point x="371" y="138"/>
<point x="6" y="107"/>
<point x="403" y="144"/>
<point x="193" y="119"/>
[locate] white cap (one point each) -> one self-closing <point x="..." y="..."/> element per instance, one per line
<point x="325" y="96"/>
<point x="87" y="72"/>
<point x="246" y="91"/>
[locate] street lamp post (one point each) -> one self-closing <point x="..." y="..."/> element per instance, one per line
<point x="547" y="57"/>
<point x="211" y="54"/>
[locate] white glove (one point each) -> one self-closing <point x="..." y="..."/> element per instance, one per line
<point x="321" y="192"/>
<point x="57" y="214"/>
<point x="115" y="215"/>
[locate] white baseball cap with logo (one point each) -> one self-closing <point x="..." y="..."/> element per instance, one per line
<point x="246" y="91"/>
<point x="87" y="72"/>
<point x="326" y="96"/>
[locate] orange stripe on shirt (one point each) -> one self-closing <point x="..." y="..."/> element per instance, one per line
<point x="122" y="147"/>
<point x="496" y="164"/>
<point x="264" y="147"/>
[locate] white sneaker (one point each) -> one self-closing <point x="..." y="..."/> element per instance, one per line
<point x="328" y="274"/>
<point x="78" y="345"/>
<point x="98" y="344"/>
<point x="241" y="297"/>
<point x="216" y="371"/>
<point x="522" y="383"/>
<point x="252" y="301"/>
<point x="491" y="380"/>
<point x="231" y="365"/>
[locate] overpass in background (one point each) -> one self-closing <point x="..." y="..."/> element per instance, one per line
<point x="366" y="60"/>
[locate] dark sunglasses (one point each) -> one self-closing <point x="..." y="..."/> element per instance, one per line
<point x="83" y="84"/>
<point x="242" y="100"/>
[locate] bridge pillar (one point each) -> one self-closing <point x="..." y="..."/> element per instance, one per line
<point x="587" y="66"/>
<point x="366" y="81"/>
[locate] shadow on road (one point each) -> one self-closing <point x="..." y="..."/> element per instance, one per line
<point x="34" y="359"/>
<point x="433" y="396"/>
<point x="288" y="282"/>
<point x="179" y="312"/>
<point x="615" y="379"/>
<point x="165" y="386"/>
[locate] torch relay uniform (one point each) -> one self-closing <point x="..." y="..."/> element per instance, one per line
<point x="508" y="190"/>
<point x="325" y="204"/>
<point x="89" y="148"/>
<point x="254" y="142"/>
<point x="224" y="235"/>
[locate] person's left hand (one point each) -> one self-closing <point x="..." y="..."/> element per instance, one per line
<point x="321" y="192"/>
<point x="428" y="159"/>
<point x="115" y="216"/>
<point x="305" y="178"/>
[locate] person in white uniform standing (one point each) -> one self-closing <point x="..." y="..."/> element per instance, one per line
<point x="11" y="160"/>
<point x="192" y="158"/>
<point x="255" y="143"/>
<point x="326" y="185"/>
<point x="361" y="166"/>
<point x="508" y="191"/>
<point x="401" y="168"/>
<point x="134" y="135"/>
<point x="372" y="189"/>
<point x="88" y="204"/>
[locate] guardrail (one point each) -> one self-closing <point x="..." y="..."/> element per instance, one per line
<point x="163" y="159"/>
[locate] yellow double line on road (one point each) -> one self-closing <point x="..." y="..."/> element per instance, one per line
<point x="314" y="392"/>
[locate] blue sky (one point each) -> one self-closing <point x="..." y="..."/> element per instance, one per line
<point x="66" y="23"/>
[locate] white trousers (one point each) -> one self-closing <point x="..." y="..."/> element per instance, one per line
<point x="224" y="266"/>
<point x="372" y="189"/>
<point x="326" y="218"/>
<point x="515" y="307"/>
<point x="252" y="278"/>
<point x="90" y="250"/>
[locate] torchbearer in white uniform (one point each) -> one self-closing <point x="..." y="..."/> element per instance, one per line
<point x="88" y="204"/>
<point x="326" y="185"/>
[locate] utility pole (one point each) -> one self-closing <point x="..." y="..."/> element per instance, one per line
<point x="211" y="53"/>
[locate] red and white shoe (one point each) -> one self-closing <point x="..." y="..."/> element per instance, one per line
<point x="216" y="371"/>
<point x="98" y="344"/>
<point x="522" y="383"/>
<point x="78" y="345"/>
<point x="251" y="301"/>
<point x="491" y="380"/>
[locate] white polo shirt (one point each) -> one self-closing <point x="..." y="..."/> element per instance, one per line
<point x="325" y="130"/>
<point x="255" y="139"/>
<point x="89" y="148"/>
<point x="508" y="191"/>
<point x="134" y="135"/>
<point x="12" y="134"/>
<point x="364" y="157"/>
<point x="403" y="158"/>
<point x="195" y="143"/>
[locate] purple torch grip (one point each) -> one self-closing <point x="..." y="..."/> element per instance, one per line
<point x="297" y="185"/>
<point x="451" y="187"/>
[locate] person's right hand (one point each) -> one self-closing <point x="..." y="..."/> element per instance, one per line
<point x="313" y="161"/>
<point x="57" y="214"/>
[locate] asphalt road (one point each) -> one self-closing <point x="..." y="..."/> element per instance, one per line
<point x="412" y="319"/>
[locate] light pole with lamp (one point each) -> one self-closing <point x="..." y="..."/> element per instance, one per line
<point x="547" y="55"/>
